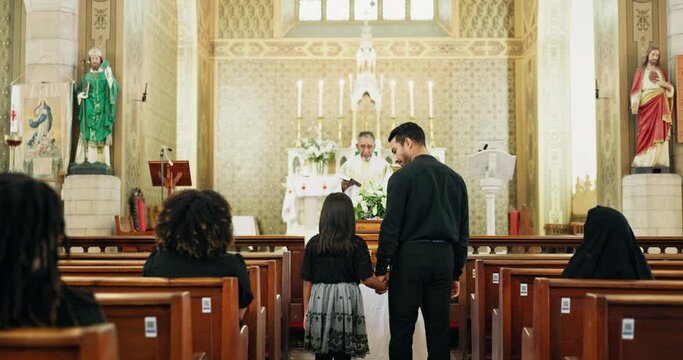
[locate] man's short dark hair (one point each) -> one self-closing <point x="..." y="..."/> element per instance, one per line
<point x="366" y="134"/>
<point x="408" y="130"/>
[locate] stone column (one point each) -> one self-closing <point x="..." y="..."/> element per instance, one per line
<point x="51" y="40"/>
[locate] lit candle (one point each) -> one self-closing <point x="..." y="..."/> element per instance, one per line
<point x="430" y="90"/>
<point x="13" y="126"/>
<point x="320" y="98"/>
<point x="299" y="93"/>
<point x="392" y="86"/>
<point x="341" y="97"/>
<point x="411" y="97"/>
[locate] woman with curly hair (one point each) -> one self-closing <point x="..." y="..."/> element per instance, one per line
<point x="194" y="231"/>
<point x="31" y="290"/>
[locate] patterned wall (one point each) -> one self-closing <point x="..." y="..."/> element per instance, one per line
<point x="245" y="18"/>
<point x="487" y="19"/>
<point x="6" y="41"/>
<point x="150" y="35"/>
<point x="255" y="123"/>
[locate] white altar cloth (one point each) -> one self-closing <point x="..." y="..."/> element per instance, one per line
<point x="304" y="196"/>
<point x="376" y="309"/>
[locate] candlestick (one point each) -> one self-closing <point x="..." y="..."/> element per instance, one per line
<point x="299" y="93"/>
<point x="392" y="87"/>
<point x="411" y="97"/>
<point x="298" y="131"/>
<point x="320" y="98"/>
<point x="432" y="143"/>
<point x="339" y="131"/>
<point x="341" y="97"/>
<point x="430" y="88"/>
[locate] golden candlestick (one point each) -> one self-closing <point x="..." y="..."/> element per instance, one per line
<point x="339" y="130"/>
<point x="320" y="127"/>
<point x="12" y="140"/>
<point x="393" y="122"/>
<point x="431" y="132"/>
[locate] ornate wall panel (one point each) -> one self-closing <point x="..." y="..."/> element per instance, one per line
<point x="446" y="48"/>
<point x="245" y="19"/>
<point x="256" y="108"/>
<point x="608" y="107"/>
<point x="6" y="41"/>
<point x="487" y="19"/>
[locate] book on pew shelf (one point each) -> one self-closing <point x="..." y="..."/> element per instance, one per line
<point x="349" y="179"/>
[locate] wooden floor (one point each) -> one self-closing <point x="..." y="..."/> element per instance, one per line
<point x="300" y="354"/>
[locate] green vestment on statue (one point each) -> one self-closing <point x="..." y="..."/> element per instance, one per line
<point x="97" y="111"/>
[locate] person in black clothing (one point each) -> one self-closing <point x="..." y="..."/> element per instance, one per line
<point x="31" y="291"/>
<point x="424" y="238"/>
<point x="194" y="231"/>
<point x="609" y="250"/>
<point x="335" y="261"/>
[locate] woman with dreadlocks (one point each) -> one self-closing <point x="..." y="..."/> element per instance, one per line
<point x="31" y="291"/>
<point x="194" y="230"/>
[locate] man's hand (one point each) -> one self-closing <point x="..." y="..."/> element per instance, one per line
<point x="384" y="280"/>
<point x="456" y="290"/>
<point x="305" y="320"/>
<point x="634" y="109"/>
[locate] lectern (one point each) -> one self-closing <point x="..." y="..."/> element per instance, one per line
<point x="492" y="167"/>
<point x="176" y="173"/>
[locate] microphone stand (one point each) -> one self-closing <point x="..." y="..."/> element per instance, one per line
<point x="161" y="158"/>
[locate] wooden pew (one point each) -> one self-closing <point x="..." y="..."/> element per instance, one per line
<point x="283" y="283"/>
<point x="558" y="312"/>
<point x="214" y="307"/>
<point x="167" y="336"/>
<point x="255" y="317"/>
<point x="272" y="301"/>
<point x="101" y="270"/>
<point x="656" y="324"/>
<point x="97" y="342"/>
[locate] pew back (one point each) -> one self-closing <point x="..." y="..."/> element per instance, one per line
<point x="150" y="326"/>
<point x="633" y="326"/>
<point x="272" y="302"/>
<point x="97" y="342"/>
<point x="213" y="304"/>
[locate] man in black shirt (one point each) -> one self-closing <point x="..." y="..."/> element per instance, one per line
<point x="424" y="237"/>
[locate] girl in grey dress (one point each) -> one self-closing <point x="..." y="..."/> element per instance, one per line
<point x="335" y="261"/>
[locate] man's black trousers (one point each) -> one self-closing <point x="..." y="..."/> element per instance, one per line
<point x="421" y="276"/>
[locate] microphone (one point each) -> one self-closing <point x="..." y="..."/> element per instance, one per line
<point x="164" y="147"/>
<point x="144" y="94"/>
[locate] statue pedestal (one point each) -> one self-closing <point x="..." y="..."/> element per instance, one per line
<point x="653" y="204"/>
<point x="90" y="204"/>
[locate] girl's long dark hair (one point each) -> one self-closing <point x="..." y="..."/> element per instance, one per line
<point x="195" y="223"/>
<point x="337" y="225"/>
<point x="31" y="228"/>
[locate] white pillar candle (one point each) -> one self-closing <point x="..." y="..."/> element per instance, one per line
<point x="392" y="86"/>
<point x="13" y="125"/>
<point x="320" y="98"/>
<point x="411" y="86"/>
<point x="341" y="97"/>
<point x="430" y="90"/>
<point x="299" y="93"/>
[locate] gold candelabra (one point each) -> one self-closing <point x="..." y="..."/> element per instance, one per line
<point x="339" y="130"/>
<point x="12" y="140"/>
<point x="320" y="127"/>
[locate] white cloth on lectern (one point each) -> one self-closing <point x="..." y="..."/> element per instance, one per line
<point x="376" y="309"/>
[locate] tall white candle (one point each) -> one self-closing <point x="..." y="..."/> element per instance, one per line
<point x="13" y="125"/>
<point x="430" y="90"/>
<point x="299" y="93"/>
<point x="341" y="97"/>
<point x="392" y="86"/>
<point x="411" y="86"/>
<point x="320" y="98"/>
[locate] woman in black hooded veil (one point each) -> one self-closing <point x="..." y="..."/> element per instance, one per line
<point x="609" y="250"/>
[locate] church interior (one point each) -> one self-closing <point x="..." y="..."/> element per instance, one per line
<point x="119" y="105"/>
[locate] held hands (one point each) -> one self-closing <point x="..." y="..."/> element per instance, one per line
<point x="379" y="283"/>
<point x="456" y="290"/>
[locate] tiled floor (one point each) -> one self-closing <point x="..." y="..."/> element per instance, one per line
<point x="299" y="354"/>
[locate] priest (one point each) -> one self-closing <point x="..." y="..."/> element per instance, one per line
<point x="364" y="168"/>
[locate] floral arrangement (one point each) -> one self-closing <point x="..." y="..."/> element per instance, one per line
<point x="371" y="201"/>
<point x="317" y="150"/>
